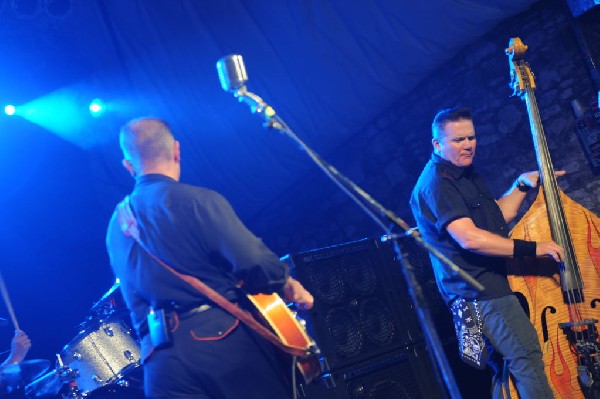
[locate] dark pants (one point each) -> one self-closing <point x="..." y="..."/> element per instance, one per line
<point x="214" y="357"/>
<point x="513" y="337"/>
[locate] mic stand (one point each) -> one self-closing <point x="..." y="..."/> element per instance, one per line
<point x="362" y="199"/>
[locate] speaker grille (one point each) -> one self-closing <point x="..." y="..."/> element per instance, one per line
<point x="344" y="328"/>
<point x="360" y="301"/>
<point x="387" y="378"/>
<point x="403" y="374"/>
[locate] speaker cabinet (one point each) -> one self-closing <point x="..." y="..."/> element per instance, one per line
<point x="362" y="307"/>
<point x="403" y="374"/>
<point x="367" y="328"/>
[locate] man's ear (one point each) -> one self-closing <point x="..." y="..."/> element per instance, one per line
<point x="436" y="145"/>
<point x="176" y="152"/>
<point x="129" y="167"/>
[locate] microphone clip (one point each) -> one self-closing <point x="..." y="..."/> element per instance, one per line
<point x="258" y="106"/>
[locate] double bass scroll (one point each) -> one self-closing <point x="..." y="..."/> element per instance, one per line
<point x="561" y="299"/>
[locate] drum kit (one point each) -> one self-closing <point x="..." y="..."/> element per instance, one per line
<point x="101" y="362"/>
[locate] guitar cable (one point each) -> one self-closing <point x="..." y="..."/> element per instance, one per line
<point x="294" y="388"/>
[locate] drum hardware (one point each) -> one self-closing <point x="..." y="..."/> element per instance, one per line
<point x="110" y="305"/>
<point x="123" y="383"/>
<point x="67" y="374"/>
<point x="108" y="330"/>
<point x="52" y="383"/>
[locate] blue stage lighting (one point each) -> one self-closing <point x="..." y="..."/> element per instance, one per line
<point x="10" y="110"/>
<point x="97" y="108"/>
<point x="61" y="112"/>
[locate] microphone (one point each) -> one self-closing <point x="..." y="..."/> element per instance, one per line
<point x="233" y="78"/>
<point x="232" y="73"/>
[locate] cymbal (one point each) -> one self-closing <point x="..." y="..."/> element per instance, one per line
<point x="48" y="384"/>
<point x="19" y="374"/>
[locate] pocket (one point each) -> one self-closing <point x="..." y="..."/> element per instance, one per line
<point x="485" y="212"/>
<point x="213" y="325"/>
<point x="474" y="202"/>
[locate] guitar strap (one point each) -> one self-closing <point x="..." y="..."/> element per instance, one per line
<point x="128" y="224"/>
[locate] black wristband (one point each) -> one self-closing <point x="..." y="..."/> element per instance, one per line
<point x="522" y="187"/>
<point x="524" y="248"/>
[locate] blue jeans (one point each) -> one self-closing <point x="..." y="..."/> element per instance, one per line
<point x="512" y="336"/>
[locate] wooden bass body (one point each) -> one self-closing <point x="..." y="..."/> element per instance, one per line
<point x="538" y="282"/>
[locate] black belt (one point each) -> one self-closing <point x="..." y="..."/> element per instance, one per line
<point x="182" y="313"/>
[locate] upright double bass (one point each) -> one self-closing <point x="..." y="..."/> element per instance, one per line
<point x="563" y="300"/>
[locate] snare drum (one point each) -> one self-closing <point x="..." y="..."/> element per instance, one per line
<point x="102" y="356"/>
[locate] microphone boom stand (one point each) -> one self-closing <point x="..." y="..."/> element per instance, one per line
<point x="362" y="199"/>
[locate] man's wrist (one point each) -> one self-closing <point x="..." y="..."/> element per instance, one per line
<point x="524" y="248"/>
<point x="522" y="187"/>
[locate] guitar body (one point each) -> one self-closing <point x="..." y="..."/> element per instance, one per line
<point x="275" y="313"/>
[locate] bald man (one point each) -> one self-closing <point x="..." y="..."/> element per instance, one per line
<point x="196" y="231"/>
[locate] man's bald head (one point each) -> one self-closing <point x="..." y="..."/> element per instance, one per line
<point x="146" y="143"/>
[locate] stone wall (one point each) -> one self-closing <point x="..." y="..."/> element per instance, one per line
<point x="386" y="157"/>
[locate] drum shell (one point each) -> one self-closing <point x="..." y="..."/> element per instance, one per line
<point x="102" y="356"/>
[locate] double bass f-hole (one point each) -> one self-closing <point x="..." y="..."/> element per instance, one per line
<point x="552" y="309"/>
<point x="571" y="358"/>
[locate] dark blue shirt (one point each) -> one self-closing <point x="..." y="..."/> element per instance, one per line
<point x="444" y="193"/>
<point x="195" y="231"/>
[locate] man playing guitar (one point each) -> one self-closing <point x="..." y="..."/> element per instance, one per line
<point x="200" y="350"/>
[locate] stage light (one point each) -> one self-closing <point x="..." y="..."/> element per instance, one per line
<point x="62" y="112"/>
<point x="69" y="113"/>
<point x="10" y="110"/>
<point x="97" y="108"/>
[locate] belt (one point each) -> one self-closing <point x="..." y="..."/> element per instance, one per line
<point x="143" y="329"/>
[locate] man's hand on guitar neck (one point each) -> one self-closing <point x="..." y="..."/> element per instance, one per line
<point x="293" y="291"/>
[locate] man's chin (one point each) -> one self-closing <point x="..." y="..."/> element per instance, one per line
<point x="466" y="162"/>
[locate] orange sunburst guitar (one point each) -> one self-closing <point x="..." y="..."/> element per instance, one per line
<point x="284" y="323"/>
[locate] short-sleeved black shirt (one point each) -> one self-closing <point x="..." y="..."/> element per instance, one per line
<point x="196" y="231"/>
<point x="444" y="193"/>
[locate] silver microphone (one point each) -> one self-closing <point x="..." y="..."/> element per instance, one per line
<point x="232" y="73"/>
<point x="233" y="78"/>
